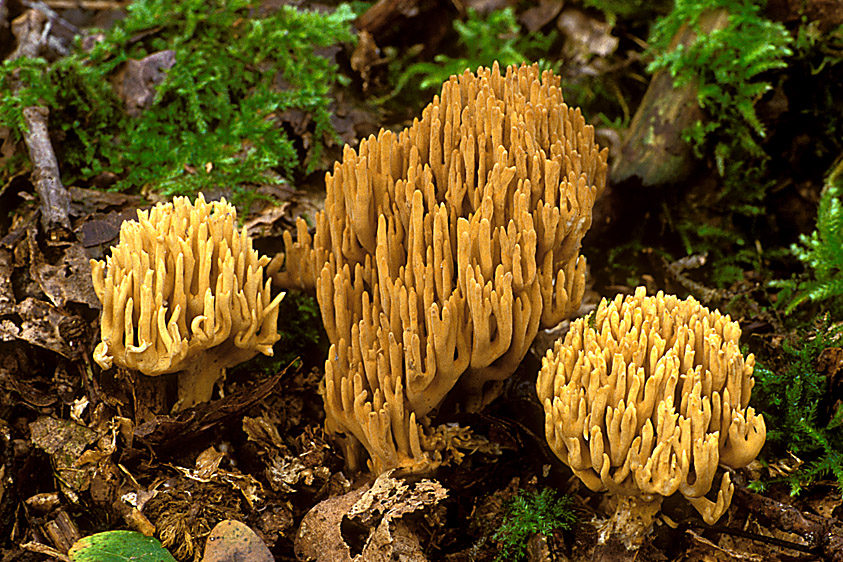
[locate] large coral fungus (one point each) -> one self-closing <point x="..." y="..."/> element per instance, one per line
<point x="645" y="399"/>
<point x="442" y="250"/>
<point x="183" y="291"/>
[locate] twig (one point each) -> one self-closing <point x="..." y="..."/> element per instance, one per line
<point x="85" y="4"/>
<point x="781" y="543"/>
<point x="677" y="271"/>
<point x="47" y="8"/>
<point x="783" y="516"/>
<point x="31" y="30"/>
<point x="823" y="535"/>
<point x="713" y="297"/>
<point x="33" y="546"/>
<point x="384" y="13"/>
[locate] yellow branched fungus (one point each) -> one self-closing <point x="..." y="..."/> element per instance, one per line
<point x="442" y="250"/>
<point x="646" y="397"/>
<point x="183" y="291"/>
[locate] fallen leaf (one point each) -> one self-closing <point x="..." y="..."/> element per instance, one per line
<point x="105" y="228"/>
<point x="366" y="54"/>
<point x="66" y="277"/>
<point x="232" y="541"/>
<point x="365" y="525"/>
<point x="138" y="79"/>
<point x="207" y="464"/>
<point x="119" y="546"/>
<point x="64" y="441"/>
<point x="537" y="17"/>
<point x="586" y="36"/>
<point x="49" y="327"/>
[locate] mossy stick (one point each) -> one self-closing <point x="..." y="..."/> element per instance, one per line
<point x="29" y="29"/>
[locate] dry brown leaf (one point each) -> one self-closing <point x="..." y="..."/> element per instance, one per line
<point x="46" y="326"/>
<point x="538" y="16"/>
<point x="365" y="524"/>
<point x="586" y="36"/>
<point x="64" y="441"/>
<point x="137" y="81"/>
<point x="232" y="540"/>
<point x="66" y="278"/>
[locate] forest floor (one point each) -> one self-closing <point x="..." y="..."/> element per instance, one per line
<point x="83" y="450"/>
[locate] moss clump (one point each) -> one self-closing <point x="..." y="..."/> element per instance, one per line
<point x="821" y="253"/>
<point x="480" y="42"/>
<point x="214" y="119"/>
<point x="727" y="67"/>
<point x="731" y="69"/>
<point x="802" y="417"/>
<point x="529" y="513"/>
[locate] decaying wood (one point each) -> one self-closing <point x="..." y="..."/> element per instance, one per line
<point x="386" y="13"/>
<point x="84" y="4"/>
<point x="653" y="148"/>
<point x="31" y="30"/>
<point x="62" y="531"/>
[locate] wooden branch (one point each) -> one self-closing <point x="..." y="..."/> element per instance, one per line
<point x="85" y="4"/>
<point x="55" y="199"/>
<point x="31" y="30"/>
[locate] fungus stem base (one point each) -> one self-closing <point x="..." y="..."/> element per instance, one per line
<point x="623" y="534"/>
<point x="196" y="385"/>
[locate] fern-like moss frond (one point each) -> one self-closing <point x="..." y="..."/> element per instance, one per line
<point x="822" y="251"/>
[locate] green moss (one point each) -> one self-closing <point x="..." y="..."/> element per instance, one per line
<point x="214" y="118"/>
<point x="529" y="513"/>
<point x="728" y="68"/>
<point x="821" y="253"/>
<point x="481" y="42"/>
<point x="795" y="400"/>
<point x="731" y="68"/>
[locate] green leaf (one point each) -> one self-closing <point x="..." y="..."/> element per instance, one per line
<point x="119" y="546"/>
